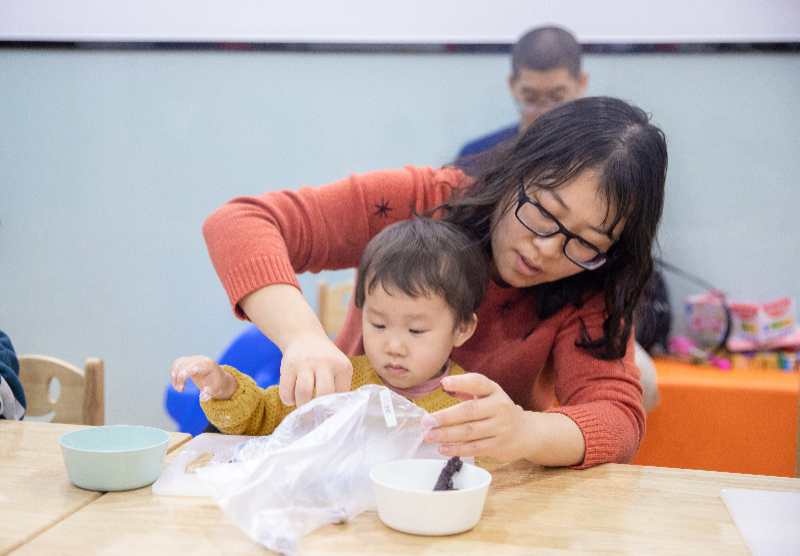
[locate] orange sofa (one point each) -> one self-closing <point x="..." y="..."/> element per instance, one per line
<point x="743" y="420"/>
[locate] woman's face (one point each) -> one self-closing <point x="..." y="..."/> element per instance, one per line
<point x="523" y="259"/>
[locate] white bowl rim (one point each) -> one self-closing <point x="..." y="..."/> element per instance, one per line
<point x="487" y="479"/>
<point x="158" y="444"/>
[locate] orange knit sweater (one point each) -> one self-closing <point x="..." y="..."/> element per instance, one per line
<point x="259" y="241"/>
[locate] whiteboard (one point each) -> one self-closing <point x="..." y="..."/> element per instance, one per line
<point x="398" y="22"/>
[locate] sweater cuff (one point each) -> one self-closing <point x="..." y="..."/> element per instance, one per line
<point x="256" y="274"/>
<point x="602" y="446"/>
<point x="228" y="415"/>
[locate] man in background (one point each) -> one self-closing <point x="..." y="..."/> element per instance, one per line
<point x="545" y="71"/>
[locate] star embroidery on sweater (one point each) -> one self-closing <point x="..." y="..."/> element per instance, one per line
<point x="383" y="209"/>
<point x="506" y="306"/>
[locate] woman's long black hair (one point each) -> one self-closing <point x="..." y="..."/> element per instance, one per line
<point x="629" y="154"/>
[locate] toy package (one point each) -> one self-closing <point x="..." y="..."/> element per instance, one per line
<point x="706" y="319"/>
<point x="758" y="326"/>
<point x="754" y="326"/>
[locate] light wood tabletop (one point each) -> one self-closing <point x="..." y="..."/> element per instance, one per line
<point x="611" y="508"/>
<point x="35" y="492"/>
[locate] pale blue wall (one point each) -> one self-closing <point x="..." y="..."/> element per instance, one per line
<point x="109" y="161"/>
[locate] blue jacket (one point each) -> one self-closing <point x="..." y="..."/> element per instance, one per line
<point x="12" y="397"/>
<point x="487" y="142"/>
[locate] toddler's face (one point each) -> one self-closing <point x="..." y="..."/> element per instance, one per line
<point x="409" y="339"/>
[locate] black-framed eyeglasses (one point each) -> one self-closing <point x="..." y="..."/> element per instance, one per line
<point x="541" y="223"/>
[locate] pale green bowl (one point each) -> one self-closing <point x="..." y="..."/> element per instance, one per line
<point x="117" y="457"/>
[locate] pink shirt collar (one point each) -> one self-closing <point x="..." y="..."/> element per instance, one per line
<point x="423" y="389"/>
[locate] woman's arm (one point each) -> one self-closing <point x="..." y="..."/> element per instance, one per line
<point x="599" y="419"/>
<point x="603" y="397"/>
<point x="258" y="244"/>
<point x="489" y="423"/>
<point x="261" y="241"/>
<point x="311" y="365"/>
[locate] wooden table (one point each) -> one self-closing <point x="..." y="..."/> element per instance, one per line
<point x="611" y="508"/>
<point x="35" y="492"/>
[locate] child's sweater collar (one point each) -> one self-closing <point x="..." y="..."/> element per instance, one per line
<point x="423" y="389"/>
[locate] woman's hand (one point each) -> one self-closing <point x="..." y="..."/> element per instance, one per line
<point x="313" y="366"/>
<point x="212" y="381"/>
<point x="487" y="423"/>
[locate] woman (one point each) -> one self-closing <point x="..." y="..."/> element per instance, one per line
<point x="567" y="216"/>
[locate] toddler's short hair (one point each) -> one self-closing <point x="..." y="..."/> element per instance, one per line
<point x="423" y="257"/>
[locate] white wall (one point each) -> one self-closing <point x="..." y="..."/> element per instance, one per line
<point x="109" y="162"/>
<point x="471" y="21"/>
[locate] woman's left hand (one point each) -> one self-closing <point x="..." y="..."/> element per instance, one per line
<point x="487" y="423"/>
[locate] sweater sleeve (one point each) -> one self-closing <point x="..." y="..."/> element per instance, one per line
<point x="12" y="397"/>
<point x="250" y="411"/>
<point x="257" y="411"/>
<point x="259" y="241"/>
<point x="603" y="397"/>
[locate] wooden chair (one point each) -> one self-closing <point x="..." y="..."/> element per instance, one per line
<point x="81" y="396"/>
<point x="333" y="304"/>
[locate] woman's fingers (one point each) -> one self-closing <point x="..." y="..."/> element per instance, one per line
<point x="476" y="448"/>
<point x="304" y="387"/>
<point x="323" y="381"/>
<point x="468" y="431"/>
<point x="286" y="386"/>
<point x="343" y="376"/>
<point x="487" y="424"/>
<point x="311" y="367"/>
<point x="475" y="389"/>
<point x="469" y="385"/>
<point x="464" y="412"/>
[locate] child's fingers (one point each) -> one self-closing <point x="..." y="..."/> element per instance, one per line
<point x="177" y="377"/>
<point x="196" y="367"/>
<point x="196" y="372"/>
<point x="174" y="370"/>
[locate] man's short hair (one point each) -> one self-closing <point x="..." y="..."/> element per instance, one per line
<point x="546" y="48"/>
<point x="423" y="257"/>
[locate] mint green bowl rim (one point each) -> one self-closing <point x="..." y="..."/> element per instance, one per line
<point x="158" y="444"/>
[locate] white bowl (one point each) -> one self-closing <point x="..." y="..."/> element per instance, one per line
<point x="407" y="502"/>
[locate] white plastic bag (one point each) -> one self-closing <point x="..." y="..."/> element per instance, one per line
<point x="314" y="469"/>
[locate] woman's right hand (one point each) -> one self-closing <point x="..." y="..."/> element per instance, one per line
<point x="313" y="366"/>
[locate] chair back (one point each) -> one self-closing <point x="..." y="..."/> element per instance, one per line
<point x="80" y="397"/>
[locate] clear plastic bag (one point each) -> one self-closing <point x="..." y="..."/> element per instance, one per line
<point x="314" y="469"/>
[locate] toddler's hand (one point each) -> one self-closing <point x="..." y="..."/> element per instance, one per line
<point x="212" y="381"/>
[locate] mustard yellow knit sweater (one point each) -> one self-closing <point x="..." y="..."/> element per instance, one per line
<point x="256" y="411"/>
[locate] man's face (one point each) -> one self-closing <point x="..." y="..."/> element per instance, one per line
<point x="537" y="91"/>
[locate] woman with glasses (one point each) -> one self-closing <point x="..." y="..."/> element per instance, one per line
<point x="567" y="216"/>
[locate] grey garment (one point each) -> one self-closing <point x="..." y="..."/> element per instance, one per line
<point x="10" y="408"/>
<point x="648" y="378"/>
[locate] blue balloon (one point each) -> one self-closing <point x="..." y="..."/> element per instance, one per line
<point x="251" y="353"/>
